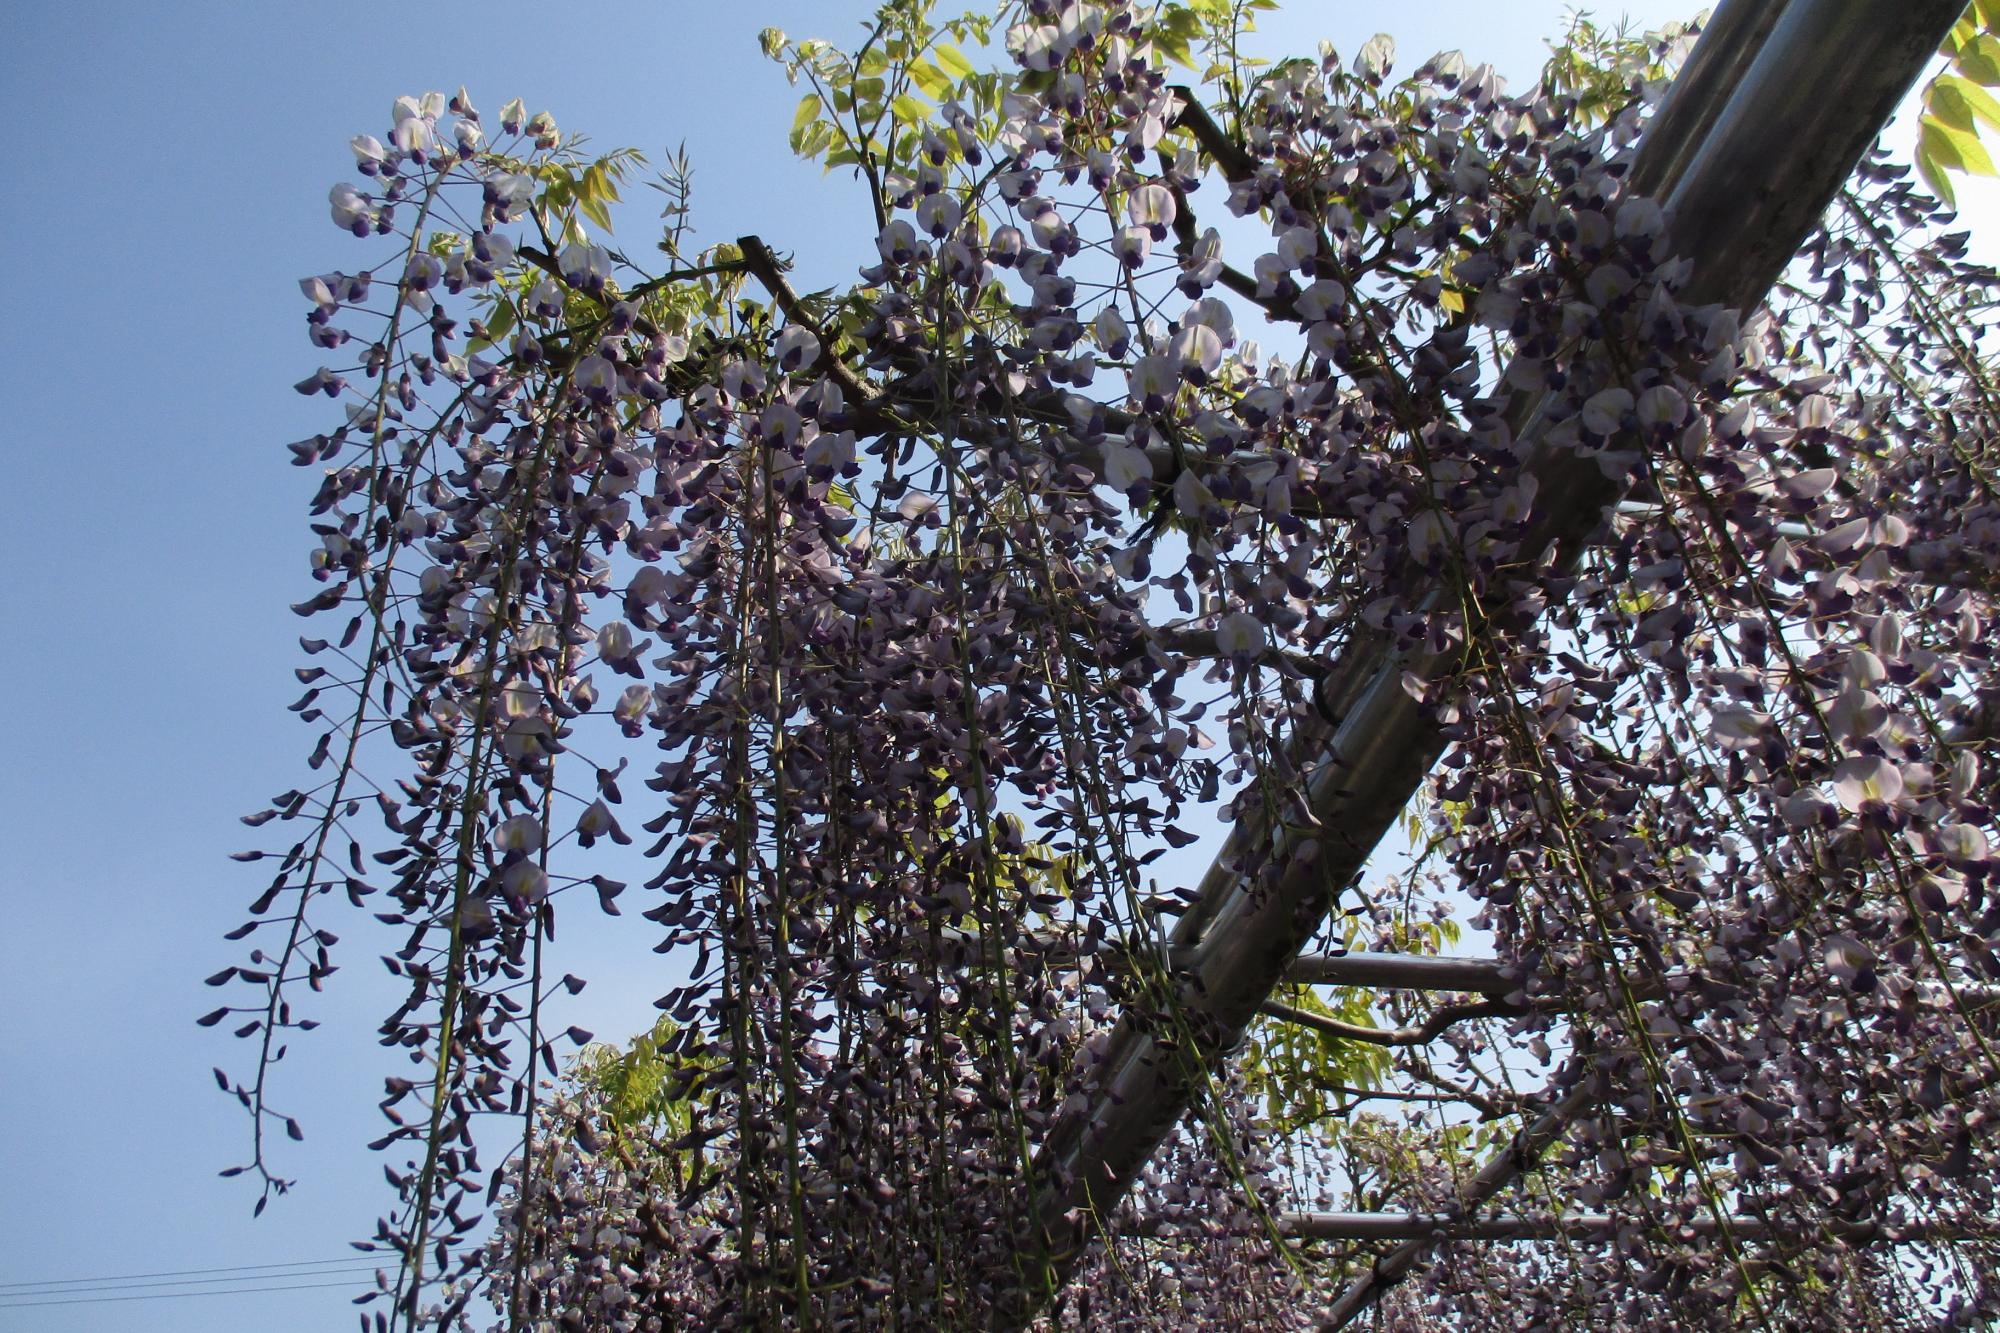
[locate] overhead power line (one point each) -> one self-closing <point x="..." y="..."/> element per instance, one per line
<point x="185" y="1272"/>
<point x="78" y="1287"/>
<point x="176" y="1295"/>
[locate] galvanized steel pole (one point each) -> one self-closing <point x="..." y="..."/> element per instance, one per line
<point x="1773" y="110"/>
<point x="1826" y="80"/>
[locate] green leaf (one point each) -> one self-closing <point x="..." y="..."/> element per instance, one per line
<point x="594" y="209"/>
<point x="1948" y="104"/>
<point x="952" y="60"/>
<point x="909" y="110"/>
<point x="1982" y="103"/>
<point x="1957" y="149"/>
<point x="807" y="113"/>
<point x="499" y="323"/>
<point x="814" y="140"/>
<point x="1934" y="177"/>
<point x="1980" y="60"/>
<point x="594" y="192"/>
<point x="561" y="186"/>
<point x="1176" y="33"/>
<point x="931" y="79"/>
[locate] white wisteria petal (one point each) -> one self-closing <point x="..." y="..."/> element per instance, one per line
<point x="1325" y="298"/>
<point x="350" y="207"/>
<point x="1738" y="728"/>
<point x="1152" y="380"/>
<point x="526" y="881"/>
<point x="633" y="703"/>
<point x="520" y="701"/>
<point x="1604" y="412"/>
<point x="1962" y="842"/>
<point x="1126" y="467"/>
<point x="1213" y="314"/>
<point x="1152" y="207"/>
<point x="1199" y="348"/>
<point x="1431" y="530"/>
<point x="1809" y="485"/>
<point x="1240" y="635"/>
<point x="520" y="833"/>
<point x="797" y="348"/>
<point x="614" y="641"/>
<point x="1192" y="496"/>
<point x="1297" y="247"/>
<point x="1662" y="406"/>
<point x="1866" y="780"/>
<point x="1111" y="332"/>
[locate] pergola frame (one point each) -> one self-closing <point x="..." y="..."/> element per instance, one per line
<point x="1773" y="109"/>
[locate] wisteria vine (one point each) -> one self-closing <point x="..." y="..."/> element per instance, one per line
<point x="942" y="604"/>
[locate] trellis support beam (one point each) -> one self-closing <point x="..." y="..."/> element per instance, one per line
<point x="1805" y="107"/>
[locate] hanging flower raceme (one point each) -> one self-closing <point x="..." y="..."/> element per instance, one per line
<point x="940" y="605"/>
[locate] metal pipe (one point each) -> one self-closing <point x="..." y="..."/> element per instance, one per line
<point x="1397" y="971"/>
<point x="1381" y="971"/>
<point x="1825" y="82"/>
<point x="1821" y="86"/>
<point x="1500" y="1170"/>
<point x="1729" y="46"/>
<point x="1440" y="1227"/>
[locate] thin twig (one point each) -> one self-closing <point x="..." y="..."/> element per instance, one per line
<point x="1421" y="1035"/>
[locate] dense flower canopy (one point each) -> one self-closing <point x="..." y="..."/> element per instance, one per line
<point x="936" y="607"/>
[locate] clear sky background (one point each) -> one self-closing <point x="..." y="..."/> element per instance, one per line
<point x="166" y="169"/>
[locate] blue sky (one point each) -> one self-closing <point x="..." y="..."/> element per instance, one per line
<point x="167" y="169"/>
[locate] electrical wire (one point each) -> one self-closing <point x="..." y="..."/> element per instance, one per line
<point x="36" y="1294"/>
<point x="183" y="1272"/>
<point x="73" y="1286"/>
<point x="175" y="1295"/>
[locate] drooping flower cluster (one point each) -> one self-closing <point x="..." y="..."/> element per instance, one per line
<point x="883" y="579"/>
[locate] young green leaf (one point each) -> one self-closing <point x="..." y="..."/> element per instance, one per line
<point x="1933" y="174"/>
<point x="935" y="84"/>
<point x="1979" y="60"/>
<point x="1955" y="148"/>
<point x="1980" y="103"/>
<point x="807" y="112"/>
<point x="952" y="61"/>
